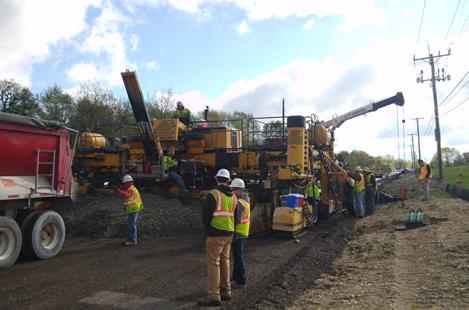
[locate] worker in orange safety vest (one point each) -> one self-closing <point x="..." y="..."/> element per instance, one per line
<point x="424" y="177"/>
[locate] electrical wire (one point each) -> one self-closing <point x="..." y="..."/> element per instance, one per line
<point x="454" y="89"/>
<point x="456" y="106"/>
<point x="459" y="19"/>
<point x="456" y="93"/>
<point x="462" y="27"/>
<point x="421" y="21"/>
<point x="452" y="20"/>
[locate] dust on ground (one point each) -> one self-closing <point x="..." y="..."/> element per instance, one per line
<point x="381" y="268"/>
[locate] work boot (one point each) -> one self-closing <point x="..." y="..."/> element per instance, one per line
<point x="235" y="285"/>
<point x="208" y="302"/>
<point x="130" y="243"/>
<point x="124" y="241"/>
<point x="225" y="297"/>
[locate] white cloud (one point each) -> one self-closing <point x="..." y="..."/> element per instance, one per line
<point x="29" y="28"/>
<point x="152" y="66"/>
<point x="309" y="24"/>
<point x="134" y="40"/>
<point x="81" y="72"/>
<point x="242" y="28"/>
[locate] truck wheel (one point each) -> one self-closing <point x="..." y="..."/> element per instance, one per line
<point x="45" y="235"/>
<point x="23" y="223"/>
<point x="10" y="242"/>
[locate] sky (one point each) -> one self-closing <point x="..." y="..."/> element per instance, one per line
<point x="322" y="57"/>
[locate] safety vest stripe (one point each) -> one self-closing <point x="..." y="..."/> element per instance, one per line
<point x="132" y="201"/>
<point x="244" y="221"/>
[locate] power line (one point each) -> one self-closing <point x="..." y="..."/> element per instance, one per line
<point x="454" y="88"/>
<point x="421" y="21"/>
<point x="458" y="92"/>
<point x="456" y="106"/>
<point x="452" y="19"/>
<point x="462" y="27"/>
<point x="459" y="19"/>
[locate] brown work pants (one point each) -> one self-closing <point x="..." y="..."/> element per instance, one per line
<point x="217" y="259"/>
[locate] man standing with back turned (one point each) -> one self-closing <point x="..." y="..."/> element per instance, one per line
<point x="242" y="233"/>
<point x="424" y="177"/>
<point x="219" y="218"/>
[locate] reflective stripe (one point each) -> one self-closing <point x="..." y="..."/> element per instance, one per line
<point x="359" y="185"/>
<point x="130" y="202"/>
<point x="243" y="226"/>
<point x="223" y="216"/>
<point x="423" y="172"/>
<point x="134" y="202"/>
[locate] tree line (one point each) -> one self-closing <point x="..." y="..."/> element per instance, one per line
<point x="94" y="108"/>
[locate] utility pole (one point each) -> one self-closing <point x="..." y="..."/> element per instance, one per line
<point x="418" y="133"/>
<point x="412" y="153"/>
<point x="411" y="156"/>
<point x="433" y="80"/>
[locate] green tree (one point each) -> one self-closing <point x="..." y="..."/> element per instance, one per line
<point x="16" y="99"/>
<point x="465" y="155"/>
<point x="56" y="104"/>
<point x="449" y="155"/>
<point x="363" y="158"/>
<point x="94" y="109"/>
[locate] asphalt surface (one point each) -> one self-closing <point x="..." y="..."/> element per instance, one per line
<point x="170" y="273"/>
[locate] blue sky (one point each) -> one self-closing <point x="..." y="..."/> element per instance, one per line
<point x="322" y="57"/>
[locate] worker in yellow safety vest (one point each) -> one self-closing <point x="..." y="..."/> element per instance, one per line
<point x="132" y="206"/>
<point x="242" y="233"/>
<point x="424" y="177"/>
<point x="358" y="190"/>
<point x="183" y="114"/>
<point x="370" y="190"/>
<point x="219" y="218"/>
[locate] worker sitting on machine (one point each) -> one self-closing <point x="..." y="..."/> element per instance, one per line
<point x="183" y="114"/>
<point x="170" y="162"/>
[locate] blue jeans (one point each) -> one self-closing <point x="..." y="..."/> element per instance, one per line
<point x="370" y="201"/>
<point x="239" y="273"/>
<point x="132" y="227"/>
<point x="359" y="203"/>
<point x="176" y="177"/>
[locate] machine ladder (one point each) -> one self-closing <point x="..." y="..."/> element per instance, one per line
<point x="332" y="183"/>
<point x="45" y="163"/>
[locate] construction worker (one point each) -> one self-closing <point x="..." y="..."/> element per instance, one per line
<point x="183" y="114"/>
<point x="242" y="233"/>
<point x="424" y="177"/>
<point x="370" y="190"/>
<point x="132" y="206"/>
<point x="309" y="193"/>
<point x="219" y="218"/>
<point x="358" y="189"/>
<point x="170" y="163"/>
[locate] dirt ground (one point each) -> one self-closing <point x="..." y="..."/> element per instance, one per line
<point x="342" y="263"/>
<point x="381" y="268"/>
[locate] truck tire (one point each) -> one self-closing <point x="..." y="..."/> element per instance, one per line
<point x="10" y="242"/>
<point x="44" y="235"/>
<point x="23" y="223"/>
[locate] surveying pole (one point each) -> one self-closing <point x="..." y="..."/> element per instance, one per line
<point x="418" y="134"/>
<point x="435" y="77"/>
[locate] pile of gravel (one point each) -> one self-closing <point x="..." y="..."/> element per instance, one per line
<point x="409" y="181"/>
<point x="98" y="216"/>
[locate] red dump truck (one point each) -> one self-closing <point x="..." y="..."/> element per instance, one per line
<point x="36" y="187"/>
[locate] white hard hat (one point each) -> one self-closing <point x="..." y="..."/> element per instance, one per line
<point x="223" y="173"/>
<point x="127" y="178"/>
<point x="357" y="168"/>
<point x="238" y="183"/>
